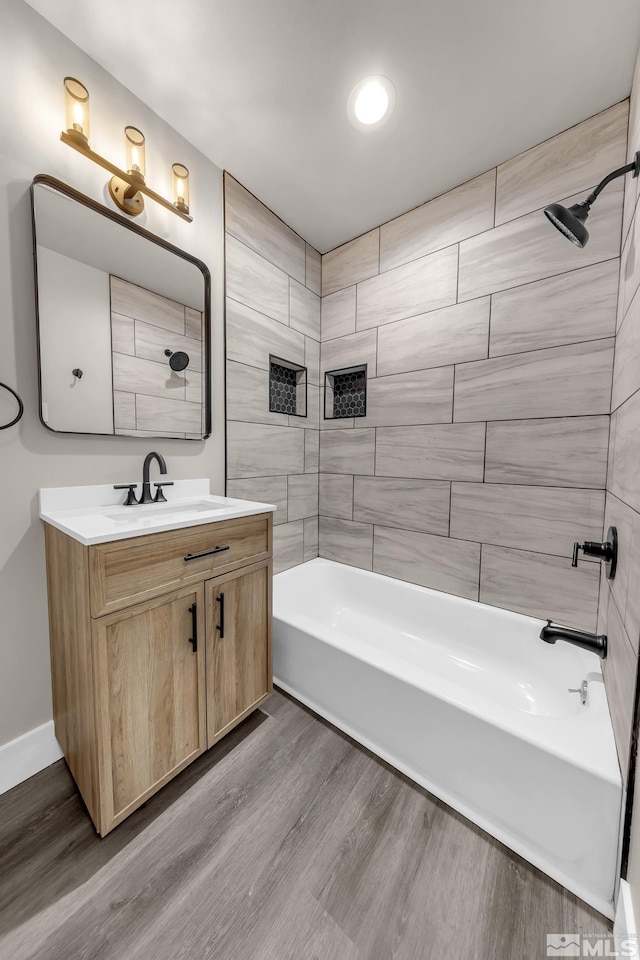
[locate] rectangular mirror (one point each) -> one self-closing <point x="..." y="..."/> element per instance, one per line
<point x="123" y="323"/>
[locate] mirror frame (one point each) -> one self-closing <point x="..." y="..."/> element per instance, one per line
<point x="49" y="181"/>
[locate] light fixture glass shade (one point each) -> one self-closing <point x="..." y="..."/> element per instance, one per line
<point x="76" y="98"/>
<point x="134" y="151"/>
<point x="181" y="186"/>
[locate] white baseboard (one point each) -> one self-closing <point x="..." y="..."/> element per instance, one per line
<point x="624" y="924"/>
<point x="26" y="755"/>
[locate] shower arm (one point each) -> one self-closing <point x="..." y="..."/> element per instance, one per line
<point x="634" y="167"/>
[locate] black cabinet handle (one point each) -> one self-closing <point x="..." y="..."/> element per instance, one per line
<point x="220" y="627"/>
<point x="205" y="553"/>
<point x="193" y="640"/>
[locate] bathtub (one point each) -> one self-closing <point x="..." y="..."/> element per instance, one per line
<point x="468" y="702"/>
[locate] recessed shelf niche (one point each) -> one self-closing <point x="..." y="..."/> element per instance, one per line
<point x="345" y="392"/>
<point x="287" y="387"/>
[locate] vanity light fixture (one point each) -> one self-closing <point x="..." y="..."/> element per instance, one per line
<point x="570" y="220"/>
<point x="126" y="187"/>
<point x="181" y="186"/>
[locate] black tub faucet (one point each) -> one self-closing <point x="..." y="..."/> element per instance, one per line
<point x="596" y="643"/>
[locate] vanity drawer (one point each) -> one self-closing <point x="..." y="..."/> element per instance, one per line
<point x="125" y="572"/>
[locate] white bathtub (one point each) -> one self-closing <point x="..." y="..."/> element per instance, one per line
<point x="467" y="701"/>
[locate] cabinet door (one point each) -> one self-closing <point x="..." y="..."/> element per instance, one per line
<point x="239" y="669"/>
<point x="150" y="688"/>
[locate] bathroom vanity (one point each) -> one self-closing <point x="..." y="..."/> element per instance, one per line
<point x="160" y="625"/>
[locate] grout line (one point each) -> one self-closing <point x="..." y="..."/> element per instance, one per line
<point x="480" y="573"/>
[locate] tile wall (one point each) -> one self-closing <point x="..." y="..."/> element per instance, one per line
<point x="619" y="615"/>
<point x="149" y="398"/>
<point x="272" y="307"/>
<point x="489" y="341"/>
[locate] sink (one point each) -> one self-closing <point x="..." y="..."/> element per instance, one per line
<point x="167" y="510"/>
<point x="89" y="515"/>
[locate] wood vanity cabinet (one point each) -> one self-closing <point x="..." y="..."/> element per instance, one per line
<point x="160" y="645"/>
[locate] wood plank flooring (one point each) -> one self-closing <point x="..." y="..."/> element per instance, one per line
<point x="286" y="841"/>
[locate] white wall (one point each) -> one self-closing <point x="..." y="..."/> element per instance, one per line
<point x="35" y="58"/>
<point x="75" y="331"/>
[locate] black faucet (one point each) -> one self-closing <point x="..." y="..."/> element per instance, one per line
<point x="146" y="486"/>
<point x="597" y="643"/>
<point x="146" y="496"/>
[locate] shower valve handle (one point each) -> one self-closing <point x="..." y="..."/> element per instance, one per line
<point x="606" y="551"/>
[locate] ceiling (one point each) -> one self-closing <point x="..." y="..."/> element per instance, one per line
<point x="261" y="87"/>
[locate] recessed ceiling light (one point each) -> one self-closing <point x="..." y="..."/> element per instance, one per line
<point x="371" y="103"/>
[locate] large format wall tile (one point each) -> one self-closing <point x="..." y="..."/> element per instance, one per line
<point x="257" y="227"/>
<point x="350" y="263"/>
<point x="312" y="360"/>
<point x="574" y="160"/>
<point x="569" y="308"/>
<point x="311" y="451"/>
<point x="540" y="586"/>
<point x="451" y="335"/>
<point x="254" y="281"/>
<point x="630" y="267"/>
<point x="303" y="496"/>
<point x="347" y="451"/>
<point x="617" y="514"/>
<point x="349" y="351"/>
<point x="310" y="538"/>
<point x="439" y="223"/>
<point x="153" y="414"/>
<point x="439" y="452"/>
<point x="339" y="314"/>
<point x="346" y="542"/>
<point x="252" y="337"/>
<point x="620" y="670"/>
<point x="151" y="343"/>
<point x="563" y="381"/>
<point x="425" y="284"/>
<point x="530" y="248"/>
<point x="304" y="310"/>
<point x="262" y="490"/>
<point x="563" y="452"/>
<point x="257" y="450"/>
<point x="248" y="395"/>
<point x="541" y="519"/>
<point x="288" y="545"/>
<point x="625" y="482"/>
<point x="313" y="274"/>
<point x="336" y="496"/>
<point x="129" y="300"/>
<point x="421" y="505"/>
<point x="134" y="375"/>
<point x="626" y="366"/>
<point x="452" y="566"/>
<point x="424" y="396"/>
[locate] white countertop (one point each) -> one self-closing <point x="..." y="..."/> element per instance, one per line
<point x="96" y="514"/>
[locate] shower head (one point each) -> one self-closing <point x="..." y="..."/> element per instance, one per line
<point x="178" y="361"/>
<point x="570" y="222"/>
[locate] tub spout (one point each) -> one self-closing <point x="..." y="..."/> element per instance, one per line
<point x="597" y="643"/>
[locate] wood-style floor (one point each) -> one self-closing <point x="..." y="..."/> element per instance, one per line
<point x="286" y="841"/>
